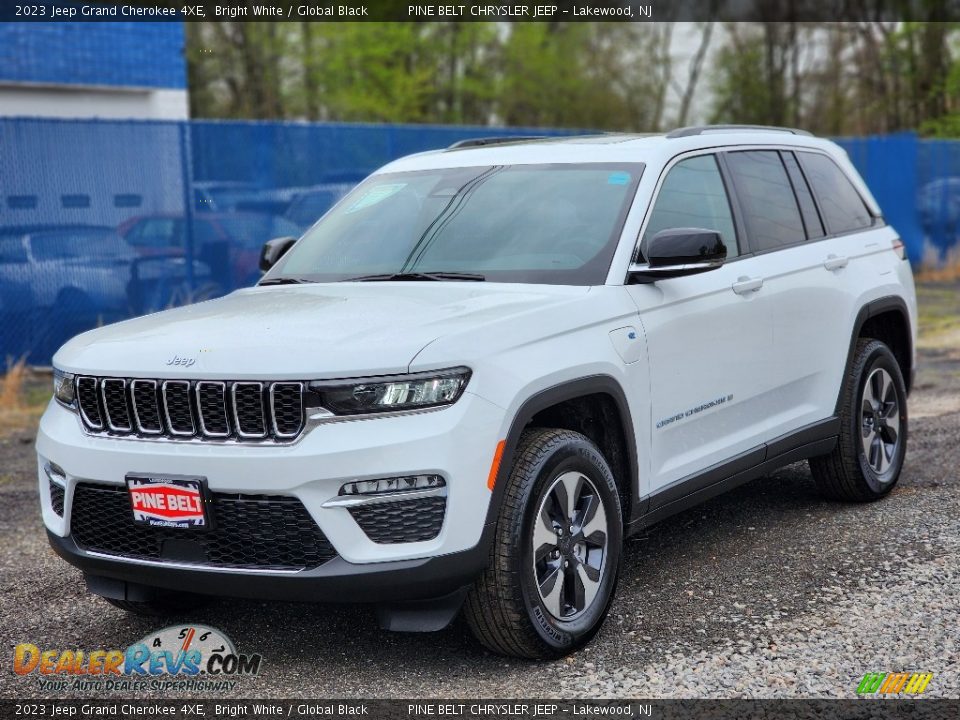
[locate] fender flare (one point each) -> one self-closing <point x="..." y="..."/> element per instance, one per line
<point x="570" y="390"/>
<point x="872" y="309"/>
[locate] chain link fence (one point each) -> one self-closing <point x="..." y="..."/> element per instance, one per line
<point x="104" y="220"/>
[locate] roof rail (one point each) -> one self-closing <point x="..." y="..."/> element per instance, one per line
<point x="701" y="129"/>
<point x="500" y="140"/>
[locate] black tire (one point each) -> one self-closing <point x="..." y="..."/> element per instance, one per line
<point x="850" y="473"/>
<point x="505" y="608"/>
<point x="173" y="604"/>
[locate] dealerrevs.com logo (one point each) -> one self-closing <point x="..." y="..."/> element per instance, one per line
<point x="179" y="657"/>
<point x="894" y="683"/>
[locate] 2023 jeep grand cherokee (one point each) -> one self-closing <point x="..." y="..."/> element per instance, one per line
<point x="480" y="371"/>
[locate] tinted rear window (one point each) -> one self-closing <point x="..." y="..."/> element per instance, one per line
<point x="842" y="207"/>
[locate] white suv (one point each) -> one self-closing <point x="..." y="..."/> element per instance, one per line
<point x="481" y="371"/>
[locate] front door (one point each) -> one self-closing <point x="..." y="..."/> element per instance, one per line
<point x="708" y="337"/>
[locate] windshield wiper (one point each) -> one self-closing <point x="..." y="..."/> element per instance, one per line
<point x="284" y="281"/>
<point x="436" y="276"/>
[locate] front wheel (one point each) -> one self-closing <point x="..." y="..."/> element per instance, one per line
<point x="556" y="550"/>
<point x="869" y="455"/>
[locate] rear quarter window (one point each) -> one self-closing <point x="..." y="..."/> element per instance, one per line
<point x="841" y="205"/>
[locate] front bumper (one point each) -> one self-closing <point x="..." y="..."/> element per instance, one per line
<point x="456" y="443"/>
<point x="336" y="581"/>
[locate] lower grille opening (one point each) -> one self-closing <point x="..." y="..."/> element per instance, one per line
<point x="257" y="532"/>
<point x="403" y="521"/>
<point x="56" y="497"/>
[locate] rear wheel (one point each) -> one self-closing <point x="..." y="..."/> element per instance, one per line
<point x="868" y="458"/>
<point x="556" y="550"/>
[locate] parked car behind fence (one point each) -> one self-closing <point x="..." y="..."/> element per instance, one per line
<point x="59" y="280"/>
<point x="228" y="244"/>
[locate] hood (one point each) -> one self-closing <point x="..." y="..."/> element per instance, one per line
<point x="302" y="332"/>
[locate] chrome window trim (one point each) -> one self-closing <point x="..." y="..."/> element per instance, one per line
<point x="166" y="408"/>
<point x="83" y="413"/>
<point x="106" y="410"/>
<point x="236" y="418"/>
<point x="136" y="415"/>
<point x="226" y="416"/>
<point x="668" y="270"/>
<point x="273" y="410"/>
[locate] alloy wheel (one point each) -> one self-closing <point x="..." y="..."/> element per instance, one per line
<point x="570" y="546"/>
<point x="880" y="421"/>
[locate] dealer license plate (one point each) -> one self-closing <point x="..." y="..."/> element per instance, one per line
<point x="170" y="502"/>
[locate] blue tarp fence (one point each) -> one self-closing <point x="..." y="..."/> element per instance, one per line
<point x="102" y="220"/>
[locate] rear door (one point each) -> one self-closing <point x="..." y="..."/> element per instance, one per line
<point x="810" y="278"/>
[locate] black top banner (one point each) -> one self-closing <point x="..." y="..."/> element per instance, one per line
<point x="488" y="11"/>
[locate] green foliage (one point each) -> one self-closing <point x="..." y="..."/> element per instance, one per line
<point x="740" y="91"/>
<point x="536" y="74"/>
<point x="838" y="78"/>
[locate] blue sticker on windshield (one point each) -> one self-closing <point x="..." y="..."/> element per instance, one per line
<point x="618" y="178"/>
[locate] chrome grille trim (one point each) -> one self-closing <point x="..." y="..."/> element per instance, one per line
<point x="136" y="414"/>
<point x="273" y="409"/>
<point x="106" y="404"/>
<point x="203" y="425"/>
<point x="87" y="420"/>
<point x="236" y="418"/>
<point x="166" y="408"/>
<point x="152" y="406"/>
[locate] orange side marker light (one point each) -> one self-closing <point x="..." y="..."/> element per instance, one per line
<point x="495" y="466"/>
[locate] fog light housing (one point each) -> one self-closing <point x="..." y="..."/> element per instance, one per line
<point x="385" y="486"/>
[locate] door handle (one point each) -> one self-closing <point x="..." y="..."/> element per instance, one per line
<point x="745" y="285"/>
<point x="834" y="262"/>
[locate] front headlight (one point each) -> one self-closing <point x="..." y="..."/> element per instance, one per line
<point x="392" y="394"/>
<point x="63" y="388"/>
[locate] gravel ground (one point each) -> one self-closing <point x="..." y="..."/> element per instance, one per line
<point x="768" y="591"/>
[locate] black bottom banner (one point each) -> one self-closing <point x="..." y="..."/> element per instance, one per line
<point x="874" y="708"/>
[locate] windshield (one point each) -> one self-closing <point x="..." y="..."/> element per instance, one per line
<point x="555" y="224"/>
<point x="306" y="208"/>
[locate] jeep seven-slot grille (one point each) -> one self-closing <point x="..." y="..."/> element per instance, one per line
<point x="191" y="409"/>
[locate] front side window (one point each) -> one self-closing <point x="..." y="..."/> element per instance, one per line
<point x="555" y="224"/>
<point x="693" y="196"/>
<point x="843" y="208"/>
<point x="769" y="206"/>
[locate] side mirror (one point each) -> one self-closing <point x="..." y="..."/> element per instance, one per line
<point x="678" y="252"/>
<point x="273" y="250"/>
